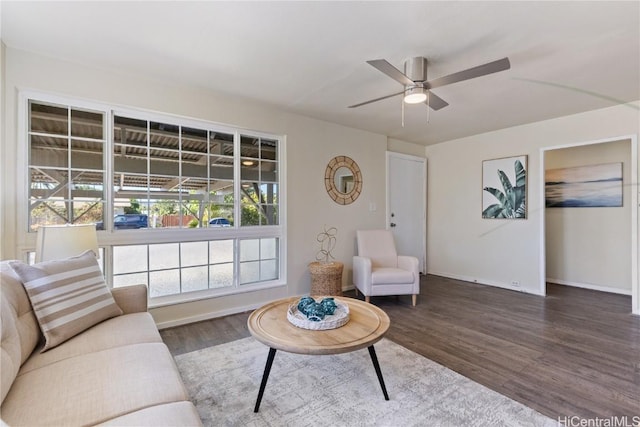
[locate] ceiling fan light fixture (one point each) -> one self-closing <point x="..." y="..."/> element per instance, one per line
<point x="415" y="95"/>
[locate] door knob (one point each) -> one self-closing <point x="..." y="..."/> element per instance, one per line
<point x="393" y="224"/>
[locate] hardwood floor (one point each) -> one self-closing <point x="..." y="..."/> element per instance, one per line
<point x="574" y="353"/>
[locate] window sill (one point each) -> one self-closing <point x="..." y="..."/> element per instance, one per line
<point x="169" y="300"/>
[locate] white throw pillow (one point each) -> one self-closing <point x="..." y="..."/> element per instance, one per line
<point x="68" y="296"/>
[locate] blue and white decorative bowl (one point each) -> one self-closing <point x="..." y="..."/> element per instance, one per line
<point x="315" y="316"/>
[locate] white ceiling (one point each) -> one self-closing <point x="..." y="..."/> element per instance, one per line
<point x="309" y="57"/>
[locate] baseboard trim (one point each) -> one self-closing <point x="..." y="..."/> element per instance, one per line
<point x="207" y="316"/>
<point x="486" y="282"/>
<point x="589" y="286"/>
<point x="219" y="313"/>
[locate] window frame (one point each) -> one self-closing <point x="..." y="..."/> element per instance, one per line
<point x="109" y="237"/>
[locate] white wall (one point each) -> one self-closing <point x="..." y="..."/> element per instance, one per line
<point x="310" y="146"/>
<point x="398" y="146"/>
<point x="3" y="128"/>
<point x="463" y="245"/>
<point x="589" y="247"/>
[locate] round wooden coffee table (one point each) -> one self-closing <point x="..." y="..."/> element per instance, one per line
<point x="269" y="325"/>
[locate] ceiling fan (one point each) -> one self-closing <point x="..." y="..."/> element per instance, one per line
<point x="414" y="79"/>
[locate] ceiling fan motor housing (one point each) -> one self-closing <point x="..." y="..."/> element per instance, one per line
<point x="416" y="69"/>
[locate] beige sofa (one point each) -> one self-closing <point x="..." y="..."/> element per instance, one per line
<point x="118" y="372"/>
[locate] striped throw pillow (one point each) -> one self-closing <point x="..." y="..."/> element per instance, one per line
<point x="68" y="296"/>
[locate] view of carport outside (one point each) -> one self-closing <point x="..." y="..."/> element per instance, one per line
<point x="179" y="176"/>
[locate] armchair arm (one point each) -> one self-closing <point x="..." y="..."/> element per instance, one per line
<point x="362" y="274"/>
<point x="131" y="299"/>
<point x="408" y="262"/>
<point x="411" y="263"/>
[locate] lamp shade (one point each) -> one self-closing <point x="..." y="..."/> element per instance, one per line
<point x="64" y="241"/>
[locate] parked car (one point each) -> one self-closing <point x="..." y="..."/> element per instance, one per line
<point x="127" y="222"/>
<point x="219" y="222"/>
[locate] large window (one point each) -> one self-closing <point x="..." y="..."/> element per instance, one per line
<point x="188" y="207"/>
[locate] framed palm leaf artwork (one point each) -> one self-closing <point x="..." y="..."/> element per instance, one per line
<point x="504" y="188"/>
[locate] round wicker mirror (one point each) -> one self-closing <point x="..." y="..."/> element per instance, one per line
<point x="343" y="180"/>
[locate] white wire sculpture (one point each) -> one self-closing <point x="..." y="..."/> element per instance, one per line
<point x="327" y="240"/>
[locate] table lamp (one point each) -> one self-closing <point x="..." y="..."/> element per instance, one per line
<point x="64" y="241"/>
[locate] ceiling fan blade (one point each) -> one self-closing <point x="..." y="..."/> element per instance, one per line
<point x="375" y="100"/>
<point x="391" y="71"/>
<point x="470" y="73"/>
<point x="435" y="102"/>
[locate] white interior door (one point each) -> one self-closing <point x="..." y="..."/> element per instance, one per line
<point x="407" y="204"/>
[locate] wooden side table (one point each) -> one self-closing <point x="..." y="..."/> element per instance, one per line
<point x="326" y="278"/>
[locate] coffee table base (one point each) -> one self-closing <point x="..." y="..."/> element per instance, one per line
<point x="265" y="377"/>
<point x="272" y="355"/>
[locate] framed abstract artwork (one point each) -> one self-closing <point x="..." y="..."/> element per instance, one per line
<point x="584" y="186"/>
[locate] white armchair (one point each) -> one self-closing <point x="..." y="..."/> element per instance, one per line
<point x="379" y="270"/>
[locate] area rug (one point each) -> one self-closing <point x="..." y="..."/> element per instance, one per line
<point x="340" y="390"/>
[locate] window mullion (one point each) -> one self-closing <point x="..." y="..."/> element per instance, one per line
<point x="207" y="206"/>
<point x="108" y="191"/>
<point x="148" y="165"/>
<point x="69" y="199"/>
<point x="237" y="196"/>
<point x="180" y="199"/>
<point x="237" y="206"/>
<point x="180" y="205"/>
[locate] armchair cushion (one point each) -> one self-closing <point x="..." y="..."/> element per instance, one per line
<point x="387" y="276"/>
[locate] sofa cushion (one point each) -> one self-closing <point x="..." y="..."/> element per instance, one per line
<point x="95" y="387"/>
<point x="68" y="296"/>
<point x="182" y="414"/>
<point x="115" y="332"/>
<point x="19" y="328"/>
